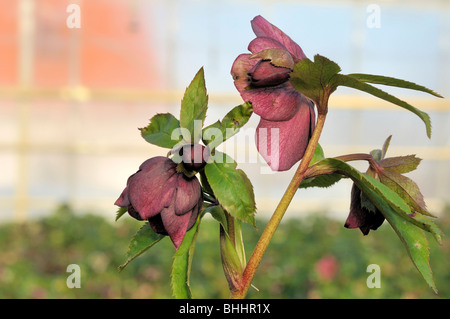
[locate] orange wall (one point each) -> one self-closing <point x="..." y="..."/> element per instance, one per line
<point x="113" y="47"/>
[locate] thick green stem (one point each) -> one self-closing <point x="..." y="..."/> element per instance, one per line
<point x="268" y="232"/>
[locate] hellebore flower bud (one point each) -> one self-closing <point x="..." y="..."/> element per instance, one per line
<point x="194" y="156"/>
<point x="365" y="217"/>
<point x="168" y="199"/>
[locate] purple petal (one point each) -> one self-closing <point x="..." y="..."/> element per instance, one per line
<point x="150" y="190"/>
<point x="188" y="193"/>
<point x="195" y="211"/>
<point x="278" y="103"/>
<point x="175" y="225"/>
<point x="123" y="200"/>
<point x="283" y="143"/>
<point x="263" y="28"/>
<point x="263" y="43"/>
<point x="160" y="162"/>
<point x="239" y="71"/>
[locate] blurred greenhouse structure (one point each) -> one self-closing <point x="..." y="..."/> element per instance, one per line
<point x="72" y="97"/>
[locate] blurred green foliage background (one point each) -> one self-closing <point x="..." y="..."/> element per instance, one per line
<point x="312" y="257"/>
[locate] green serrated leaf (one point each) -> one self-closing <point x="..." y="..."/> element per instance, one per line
<point x="182" y="260"/>
<point x="413" y="239"/>
<point x="402" y="208"/>
<point x="322" y="181"/>
<point x="429" y="226"/>
<point x="218" y="132"/>
<point x="120" y="212"/>
<point x="401" y="164"/>
<point x="159" y="131"/>
<point x="386" y="80"/>
<point x="313" y="79"/>
<point x="406" y="188"/>
<point x="193" y="108"/>
<point x="407" y="226"/>
<point x="354" y="83"/>
<point x="369" y="184"/>
<point x="231" y="187"/>
<point x="141" y="242"/>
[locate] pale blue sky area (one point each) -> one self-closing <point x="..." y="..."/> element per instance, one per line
<point x="411" y="42"/>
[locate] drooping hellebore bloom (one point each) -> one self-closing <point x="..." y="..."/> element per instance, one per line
<point x="360" y="216"/>
<point x="262" y="78"/>
<point x="168" y="199"/>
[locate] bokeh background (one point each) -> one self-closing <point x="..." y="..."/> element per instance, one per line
<point x="72" y="100"/>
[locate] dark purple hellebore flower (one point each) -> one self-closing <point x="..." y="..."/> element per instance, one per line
<point x="262" y="78"/>
<point x="361" y="217"/>
<point x="168" y="199"/>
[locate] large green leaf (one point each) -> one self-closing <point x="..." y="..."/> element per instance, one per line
<point x="193" y="108"/>
<point x="318" y="79"/>
<point x="412" y="237"/>
<point x="389" y="172"/>
<point x="322" y="181"/>
<point x="218" y="132"/>
<point x="369" y="184"/>
<point x="386" y="80"/>
<point x="141" y="242"/>
<point x="182" y="260"/>
<point x="231" y="187"/>
<point x="159" y="131"/>
<point x="406" y="189"/>
<point x="352" y="82"/>
<point x="408" y="226"/>
<point x="401" y="207"/>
